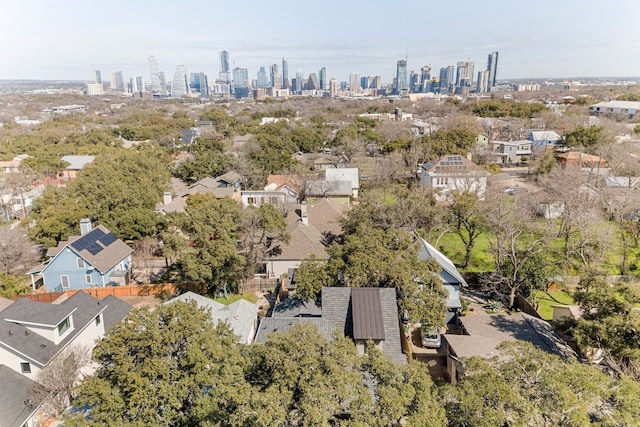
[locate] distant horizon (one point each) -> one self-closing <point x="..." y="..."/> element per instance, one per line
<point x="63" y="41"/>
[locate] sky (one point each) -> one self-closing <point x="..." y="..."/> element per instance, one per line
<point x="68" y="39"/>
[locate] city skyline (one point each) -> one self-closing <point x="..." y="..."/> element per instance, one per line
<point x="63" y="41"/>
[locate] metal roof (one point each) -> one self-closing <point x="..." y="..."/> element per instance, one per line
<point x="367" y="314"/>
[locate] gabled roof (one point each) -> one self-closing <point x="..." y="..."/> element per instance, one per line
<point x="329" y="188"/>
<point x="296" y="307"/>
<point x="99" y="247"/>
<point x="344" y="174"/>
<point x="449" y="273"/>
<point x="269" y="325"/>
<point x="544" y="135"/>
<point x="241" y="315"/>
<point x="85" y="308"/>
<point x="453" y="164"/>
<point x="16" y="398"/>
<point x="276" y="182"/>
<point x="367" y="314"/>
<point x="487" y="331"/>
<point x="77" y="162"/>
<point x="230" y="177"/>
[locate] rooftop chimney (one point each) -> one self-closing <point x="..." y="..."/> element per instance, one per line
<point x="166" y="197"/>
<point x="85" y="226"/>
<point x="303" y="213"/>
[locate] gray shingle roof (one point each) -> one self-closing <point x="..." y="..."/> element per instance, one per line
<point x="270" y="325"/>
<point x="296" y="307"/>
<point x="116" y="311"/>
<point x="15" y="393"/>
<point x="37" y="348"/>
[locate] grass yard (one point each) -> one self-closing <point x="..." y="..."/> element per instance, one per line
<point x="235" y="297"/>
<point x="549" y="298"/>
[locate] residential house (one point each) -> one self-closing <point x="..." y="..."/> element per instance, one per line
<point x="291" y="185"/>
<point x="257" y="198"/>
<point x="453" y="173"/>
<point x="542" y="140"/>
<point x="32" y="334"/>
<point x="580" y="160"/>
<point x="96" y="258"/>
<point x="452" y="280"/>
<point x="483" y="333"/>
<point x="311" y="228"/>
<point x="512" y="151"/>
<point x="12" y="165"/>
<point x="321" y="161"/>
<point x="618" y="108"/>
<point x="241" y="315"/>
<point x="338" y="191"/>
<point x="189" y="136"/>
<point x="76" y="164"/>
<point x="345" y="174"/>
<point x="362" y="314"/>
<point x="226" y="185"/>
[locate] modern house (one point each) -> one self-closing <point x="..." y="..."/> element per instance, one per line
<point x="32" y="334"/>
<point x="512" y="151"/>
<point x="241" y="315"/>
<point x="541" y="140"/>
<point x="452" y="280"/>
<point x="310" y="227"/>
<point x="452" y="173"/>
<point x="96" y="258"/>
<point x="362" y="314"/>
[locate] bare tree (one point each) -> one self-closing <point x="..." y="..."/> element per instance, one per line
<point x="56" y="382"/>
<point x="17" y="252"/>
<point x="144" y="251"/>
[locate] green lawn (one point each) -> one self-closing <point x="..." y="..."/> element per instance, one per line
<point x="235" y="297"/>
<point x="549" y="298"/>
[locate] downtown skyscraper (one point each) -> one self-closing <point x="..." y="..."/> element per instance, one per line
<point x="180" y="82"/>
<point x="155" y="76"/>
<point x="286" y="84"/>
<point x="492" y="68"/>
<point x="224" y="76"/>
<point x="402" y="82"/>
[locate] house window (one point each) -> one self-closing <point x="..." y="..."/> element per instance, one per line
<point x="25" y="367"/>
<point x="251" y="201"/>
<point x="64" y="281"/>
<point x="80" y="262"/>
<point x="88" y="279"/>
<point x="63" y="326"/>
<point x="98" y="320"/>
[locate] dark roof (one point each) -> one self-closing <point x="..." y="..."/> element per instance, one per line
<point x="336" y="307"/>
<point x="453" y="163"/>
<point x="99" y="247"/>
<point x="117" y="311"/>
<point x="16" y="404"/>
<point x="270" y="325"/>
<point x="296" y="307"/>
<point x="34" y="346"/>
<point x="367" y="314"/>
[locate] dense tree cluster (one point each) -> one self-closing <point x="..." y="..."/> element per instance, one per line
<point x="504" y="108"/>
<point x="171" y="367"/>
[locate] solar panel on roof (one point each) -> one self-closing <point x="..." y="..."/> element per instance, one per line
<point x="94" y="248"/>
<point x="107" y="239"/>
<point x="82" y="243"/>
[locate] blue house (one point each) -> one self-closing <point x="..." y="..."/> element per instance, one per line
<point x="451" y="278"/>
<point x="96" y="258"/>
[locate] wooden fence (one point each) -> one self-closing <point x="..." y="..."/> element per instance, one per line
<point x="117" y="291"/>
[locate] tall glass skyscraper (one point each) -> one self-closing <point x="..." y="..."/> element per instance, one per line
<point x="492" y="68"/>
<point x="285" y="73"/>
<point x="180" y="82"/>
<point x="323" y="79"/>
<point x="402" y="83"/>
<point x="224" y="76"/>
<point x="155" y="77"/>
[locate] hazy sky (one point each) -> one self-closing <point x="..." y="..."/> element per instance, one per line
<point x="68" y="39"/>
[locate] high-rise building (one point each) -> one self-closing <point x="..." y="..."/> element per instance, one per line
<point x="204" y="85"/>
<point x="375" y="82"/>
<point x="323" y="78"/>
<point x="224" y="76"/>
<point x="354" y="83"/>
<point x="276" y="77"/>
<point x="194" y="82"/>
<point x="97" y="78"/>
<point x="492" y="68"/>
<point x="402" y="83"/>
<point x="155" y="76"/>
<point x="482" y="85"/>
<point x="426" y="78"/>
<point x="140" y="84"/>
<point x="285" y="73"/>
<point x="241" y="77"/>
<point x="415" y="81"/>
<point x="180" y="82"/>
<point x="263" y="80"/>
<point x="117" y="81"/>
<point x="297" y="88"/>
<point x="464" y="74"/>
<point x="364" y="82"/>
<point x="333" y="87"/>
<point x="312" y="82"/>
<point x="163" y="82"/>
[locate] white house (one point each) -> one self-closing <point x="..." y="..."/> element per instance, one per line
<point x="453" y="173"/>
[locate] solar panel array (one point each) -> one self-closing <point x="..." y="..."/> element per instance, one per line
<point x="94" y="248"/>
<point x="88" y="239"/>
<point x="107" y="239"/>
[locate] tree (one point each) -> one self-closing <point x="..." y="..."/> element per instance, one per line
<point x="466" y="220"/>
<point x="11" y="286"/>
<point x="168" y="366"/>
<point x="609" y="322"/>
<point x="585" y="137"/>
<point x="262" y="230"/>
<point x="144" y="251"/>
<point x="17" y="252"/>
<point x="311" y="277"/>
<point x="57" y="382"/>
<point x="372" y="257"/>
<point x="204" y="242"/>
<point x="527" y="386"/>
